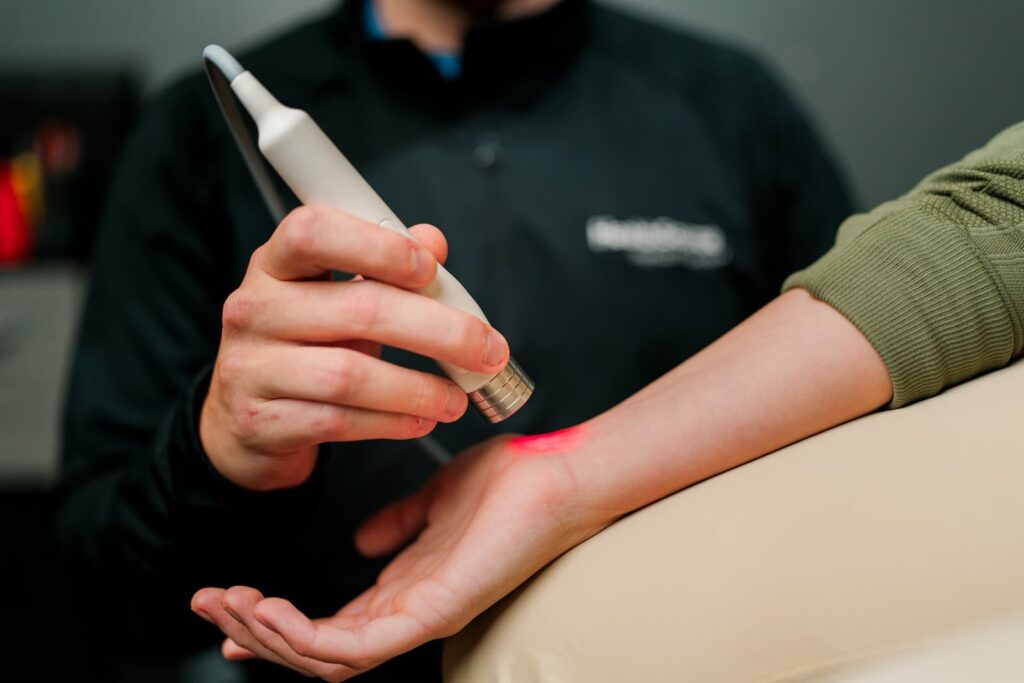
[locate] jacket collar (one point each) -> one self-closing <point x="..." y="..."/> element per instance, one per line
<point x="500" y="58"/>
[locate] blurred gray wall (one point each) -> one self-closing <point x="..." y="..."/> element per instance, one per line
<point x="897" y="86"/>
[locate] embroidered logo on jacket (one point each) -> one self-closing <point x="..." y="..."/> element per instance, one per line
<point x="660" y="242"/>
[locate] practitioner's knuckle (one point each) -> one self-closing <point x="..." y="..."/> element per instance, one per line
<point x="344" y="376"/>
<point x="232" y="366"/>
<point x="240" y="309"/>
<point x="299" y="232"/>
<point x="256" y="259"/>
<point x="338" y="423"/>
<point x="362" y="307"/>
<point x="429" y="396"/>
<point x="250" y="420"/>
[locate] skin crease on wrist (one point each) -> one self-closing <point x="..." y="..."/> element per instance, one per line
<point x="440" y="25"/>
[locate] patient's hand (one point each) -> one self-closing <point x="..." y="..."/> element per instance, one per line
<point x="485" y="524"/>
<point x="503" y="510"/>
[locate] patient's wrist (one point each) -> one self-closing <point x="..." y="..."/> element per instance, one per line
<point x="562" y="441"/>
<point x="612" y="460"/>
<point x="597" y="494"/>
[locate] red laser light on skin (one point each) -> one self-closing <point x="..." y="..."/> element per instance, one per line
<point x="552" y="442"/>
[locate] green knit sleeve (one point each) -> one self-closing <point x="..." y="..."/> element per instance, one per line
<point x="935" y="279"/>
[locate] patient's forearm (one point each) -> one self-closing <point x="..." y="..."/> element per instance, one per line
<point x="793" y="369"/>
<point x="933" y="278"/>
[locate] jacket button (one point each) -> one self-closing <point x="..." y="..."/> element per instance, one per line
<point x="486" y="154"/>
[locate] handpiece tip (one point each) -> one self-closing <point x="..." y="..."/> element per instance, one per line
<point x="223" y="60"/>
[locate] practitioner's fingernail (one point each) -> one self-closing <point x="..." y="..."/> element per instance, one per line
<point x="455" y="401"/>
<point x="422" y="264"/>
<point x="497" y="348"/>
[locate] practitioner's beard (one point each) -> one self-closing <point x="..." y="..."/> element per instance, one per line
<point x="478" y="8"/>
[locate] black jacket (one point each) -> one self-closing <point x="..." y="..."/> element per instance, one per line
<point x="616" y="196"/>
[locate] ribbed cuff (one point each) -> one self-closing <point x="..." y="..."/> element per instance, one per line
<point x="199" y="493"/>
<point x="916" y="287"/>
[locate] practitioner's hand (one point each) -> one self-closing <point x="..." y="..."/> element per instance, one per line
<point x="299" y="365"/>
<point x="485" y="524"/>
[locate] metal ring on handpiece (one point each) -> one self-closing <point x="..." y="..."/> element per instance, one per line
<point x="503" y="395"/>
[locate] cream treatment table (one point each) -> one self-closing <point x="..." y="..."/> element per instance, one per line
<point x="894" y="532"/>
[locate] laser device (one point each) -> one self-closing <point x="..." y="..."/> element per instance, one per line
<point x="318" y="173"/>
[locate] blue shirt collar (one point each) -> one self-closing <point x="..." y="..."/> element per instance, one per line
<point x="448" y="64"/>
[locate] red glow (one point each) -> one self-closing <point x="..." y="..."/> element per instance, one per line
<point x="560" y="441"/>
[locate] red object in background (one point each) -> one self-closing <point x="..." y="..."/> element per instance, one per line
<point x="58" y="146"/>
<point x="15" y="231"/>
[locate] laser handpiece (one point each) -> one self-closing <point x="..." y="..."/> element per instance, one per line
<point x="318" y="173"/>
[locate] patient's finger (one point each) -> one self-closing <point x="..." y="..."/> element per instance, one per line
<point x="241" y="602"/>
<point x="210" y="603"/>
<point x="361" y="647"/>
<point x="235" y="652"/>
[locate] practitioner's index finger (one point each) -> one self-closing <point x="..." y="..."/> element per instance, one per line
<point x="314" y="240"/>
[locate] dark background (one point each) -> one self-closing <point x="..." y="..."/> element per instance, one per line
<point x="898" y="88"/>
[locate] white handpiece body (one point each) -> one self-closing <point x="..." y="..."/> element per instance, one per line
<point x="319" y="174"/>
